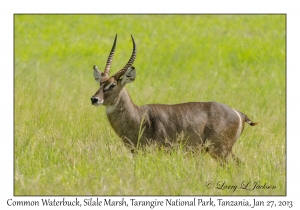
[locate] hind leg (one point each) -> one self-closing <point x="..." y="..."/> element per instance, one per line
<point x="219" y="154"/>
<point x="236" y="159"/>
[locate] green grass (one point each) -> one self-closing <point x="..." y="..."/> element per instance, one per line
<point x="65" y="146"/>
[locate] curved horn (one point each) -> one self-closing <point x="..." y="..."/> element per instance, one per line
<point x="129" y="63"/>
<point x="110" y="58"/>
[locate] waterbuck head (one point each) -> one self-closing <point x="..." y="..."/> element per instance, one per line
<point x="110" y="87"/>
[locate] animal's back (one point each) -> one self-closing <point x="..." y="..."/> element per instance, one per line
<point x="196" y="121"/>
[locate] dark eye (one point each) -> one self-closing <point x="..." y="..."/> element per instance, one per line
<point x="109" y="87"/>
<point x="112" y="85"/>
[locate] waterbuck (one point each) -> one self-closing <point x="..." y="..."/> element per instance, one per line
<point x="199" y="122"/>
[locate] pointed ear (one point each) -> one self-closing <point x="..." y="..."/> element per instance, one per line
<point x="129" y="76"/>
<point x="97" y="74"/>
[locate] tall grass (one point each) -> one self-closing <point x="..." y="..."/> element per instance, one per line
<point x="65" y="146"/>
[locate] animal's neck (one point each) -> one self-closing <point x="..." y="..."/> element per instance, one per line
<point x="124" y="117"/>
<point x="122" y="104"/>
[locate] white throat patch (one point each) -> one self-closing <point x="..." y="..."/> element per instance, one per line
<point x="110" y="109"/>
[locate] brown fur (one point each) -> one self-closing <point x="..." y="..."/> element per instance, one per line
<point x="198" y="121"/>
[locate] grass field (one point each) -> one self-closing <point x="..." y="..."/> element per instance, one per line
<point x="65" y="146"/>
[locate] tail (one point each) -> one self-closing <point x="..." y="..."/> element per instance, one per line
<point x="247" y="120"/>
